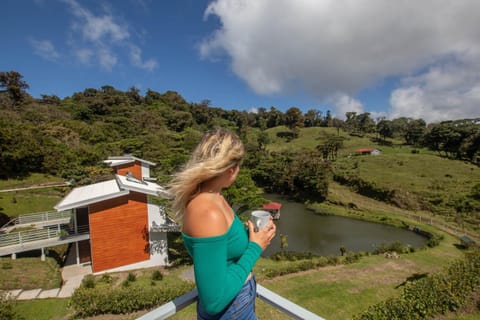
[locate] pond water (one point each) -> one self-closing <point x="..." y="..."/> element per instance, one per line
<point x="324" y="235"/>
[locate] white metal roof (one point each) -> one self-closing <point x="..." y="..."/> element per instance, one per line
<point x="121" y="185"/>
<point x="116" y="161"/>
<point x="146" y="187"/>
<point x="85" y="195"/>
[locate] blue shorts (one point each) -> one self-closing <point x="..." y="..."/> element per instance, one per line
<point x="241" y="308"/>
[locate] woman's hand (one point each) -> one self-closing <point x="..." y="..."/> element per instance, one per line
<point x="263" y="236"/>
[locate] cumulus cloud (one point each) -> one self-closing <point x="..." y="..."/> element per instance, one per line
<point x="103" y="39"/>
<point x="446" y="91"/>
<point x="345" y="46"/>
<point x="45" y="49"/>
<point x="136" y="58"/>
<point x="344" y="103"/>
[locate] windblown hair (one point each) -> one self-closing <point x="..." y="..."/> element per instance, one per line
<point x="217" y="151"/>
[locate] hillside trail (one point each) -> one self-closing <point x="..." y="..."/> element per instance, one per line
<point x="38" y="186"/>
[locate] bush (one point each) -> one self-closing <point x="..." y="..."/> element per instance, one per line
<point x="101" y="300"/>
<point x="157" y="275"/>
<point x="352" y="257"/>
<point x="131" y="277"/>
<point x="88" y="281"/>
<point x="388" y="247"/>
<point x="106" y="278"/>
<point x="7" y="308"/>
<point x="436" y="294"/>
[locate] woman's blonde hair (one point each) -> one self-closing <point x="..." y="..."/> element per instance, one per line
<point x="217" y="151"/>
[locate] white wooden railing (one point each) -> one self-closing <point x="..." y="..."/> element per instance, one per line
<point x="28" y="236"/>
<point x="278" y="302"/>
<point x="38" y="218"/>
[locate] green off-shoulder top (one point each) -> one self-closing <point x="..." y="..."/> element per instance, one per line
<point x="222" y="264"/>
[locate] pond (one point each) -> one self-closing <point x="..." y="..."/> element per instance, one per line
<point x="324" y="235"/>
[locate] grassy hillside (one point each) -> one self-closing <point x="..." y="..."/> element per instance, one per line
<point x="24" y="201"/>
<point x="413" y="179"/>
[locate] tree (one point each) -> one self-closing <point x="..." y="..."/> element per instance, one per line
<point x="327" y="122"/>
<point x="274" y="118"/>
<point x="313" y="118"/>
<point x="385" y="129"/>
<point x="414" y="131"/>
<point x="471" y="146"/>
<point x="337" y="123"/>
<point x="331" y="146"/>
<point x="293" y="119"/>
<point x="12" y="83"/>
<point x="365" y="123"/>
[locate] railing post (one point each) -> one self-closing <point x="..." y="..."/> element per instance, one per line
<point x="170" y="308"/>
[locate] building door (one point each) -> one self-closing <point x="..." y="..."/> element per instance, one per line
<point x="83" y="226"/>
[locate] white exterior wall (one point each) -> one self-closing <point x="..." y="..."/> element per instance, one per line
<point x="158" y="240"/>
<point x="145" y="170"/>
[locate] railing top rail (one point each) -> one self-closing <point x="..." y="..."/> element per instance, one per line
<point x="293" y="310"/>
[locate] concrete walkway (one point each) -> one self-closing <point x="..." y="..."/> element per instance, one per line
<point x="72" y="276"/>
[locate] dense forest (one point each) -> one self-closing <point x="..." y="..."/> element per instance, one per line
<point x="70" y="137"/>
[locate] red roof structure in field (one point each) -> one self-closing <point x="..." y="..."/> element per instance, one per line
<point x="272" y="206"/>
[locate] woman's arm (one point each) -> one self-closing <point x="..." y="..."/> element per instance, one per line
<point x="217" y="282"/>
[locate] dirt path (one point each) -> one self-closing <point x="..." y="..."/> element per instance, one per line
<point x="40" y="186"/>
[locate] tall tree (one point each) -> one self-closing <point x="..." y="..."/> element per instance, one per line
<point x="293" y="119"/>
<point x="313" y="118"/>
<point x="11" y="82"/>
<point x="385" y="129"/>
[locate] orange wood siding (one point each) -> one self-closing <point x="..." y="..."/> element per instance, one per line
<point x="119" y="231"/>
<point x="134" y="168"/>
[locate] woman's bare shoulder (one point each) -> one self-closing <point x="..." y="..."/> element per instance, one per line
<point x="204" y="218"/>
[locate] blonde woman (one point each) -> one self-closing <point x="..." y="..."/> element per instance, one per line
<point x="223" y="250"/>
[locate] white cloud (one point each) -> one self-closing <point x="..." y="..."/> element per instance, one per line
<point x="103" y="38"/>
<point x="136" y="58"/>
<point x="344" y="103"/>
<point x="45" y="49"/>
<point x="84" y="55"/>
<point x="107" y="59"/>
<point x="334" y="46"/>
<point x="444" y="92"/>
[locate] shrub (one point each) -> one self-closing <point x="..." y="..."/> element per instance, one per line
<point x="106" y="278"/>
<point x="434" y="241"/>
<point x="157" y="275"/>
<point x="436" y="294"/>
<point x="88" y="281"/>
<point x="352" y="257"/>
<point x="120" y="300"/>
<point x="387" y="247"/>
<point x="7" y="308"/>
<point x="131" y="277"/>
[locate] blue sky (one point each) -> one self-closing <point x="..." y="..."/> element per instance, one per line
<point x="408" y="58"/>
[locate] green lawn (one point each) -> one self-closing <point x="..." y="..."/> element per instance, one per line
<point x="17" y="203"/>
<point x="339" y="292"/>
<point x="29" y="273"/>
<point x="44" y="309"/>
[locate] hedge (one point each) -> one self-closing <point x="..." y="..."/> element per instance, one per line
<point x="436" y="294"/>
<point x="121" y="300"/>
<point x="7" y="308"/>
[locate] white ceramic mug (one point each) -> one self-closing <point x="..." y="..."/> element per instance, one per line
<point x="260" y="219"/>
